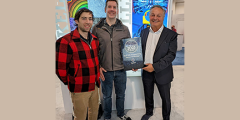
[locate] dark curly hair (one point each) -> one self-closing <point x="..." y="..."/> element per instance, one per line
<point x="79" y="12"/>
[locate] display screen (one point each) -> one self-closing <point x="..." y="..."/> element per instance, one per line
<point x="140" y="14"/>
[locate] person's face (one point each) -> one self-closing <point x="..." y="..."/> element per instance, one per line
<point x="85" y="22"/>
<point x="111" y="9"/>
<point x="156" y="17"/>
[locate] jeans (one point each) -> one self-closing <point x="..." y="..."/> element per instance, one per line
<point x="119" y="78"/>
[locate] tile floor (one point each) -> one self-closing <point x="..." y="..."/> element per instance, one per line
<point x="177" y="97"/>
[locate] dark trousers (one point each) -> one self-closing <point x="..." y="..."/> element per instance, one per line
<point x="164" y="91"/>
<point x="120" y="80"/>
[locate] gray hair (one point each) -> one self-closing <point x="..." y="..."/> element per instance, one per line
<point x="158" y="6"/>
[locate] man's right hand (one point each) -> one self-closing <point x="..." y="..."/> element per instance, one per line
<point x="101" y="73"/>
<point x="134" y="70"/>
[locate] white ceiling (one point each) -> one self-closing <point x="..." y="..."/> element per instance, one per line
<point x="178" y="0"/>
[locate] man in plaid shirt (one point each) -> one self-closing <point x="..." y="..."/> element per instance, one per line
<point x="77" y="66"/>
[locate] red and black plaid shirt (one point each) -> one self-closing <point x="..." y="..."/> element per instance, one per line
<point x="77" y="62"/>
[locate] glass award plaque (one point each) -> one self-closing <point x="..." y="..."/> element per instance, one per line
<point x="131" y="49"/>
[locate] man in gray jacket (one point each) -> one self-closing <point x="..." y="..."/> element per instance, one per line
<point x="110" y="31"/>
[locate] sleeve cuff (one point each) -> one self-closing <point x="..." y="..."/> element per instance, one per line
<point x="65" y="83"/>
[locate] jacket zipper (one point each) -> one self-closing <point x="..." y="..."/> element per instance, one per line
<point x="90" y="50"/>
<point x="112" y="49"/>
<point x="105" y="29"/>
<point x="88" y="43"/>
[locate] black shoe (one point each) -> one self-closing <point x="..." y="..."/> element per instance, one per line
<point x="145" y="117"/>
<point x="125" y="117"/>
<point x="100" y="111"/>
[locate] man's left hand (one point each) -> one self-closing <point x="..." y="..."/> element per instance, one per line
<point x="149" y="67"/>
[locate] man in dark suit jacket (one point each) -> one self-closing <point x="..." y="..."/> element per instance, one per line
<point x="159" y="46"/>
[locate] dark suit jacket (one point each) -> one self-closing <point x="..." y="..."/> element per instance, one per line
<point x="164" y="54"/>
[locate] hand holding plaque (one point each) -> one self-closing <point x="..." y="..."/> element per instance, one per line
<point x="132" y="53"/>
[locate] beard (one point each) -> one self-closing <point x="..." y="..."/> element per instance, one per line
<point x="84" y="30"/>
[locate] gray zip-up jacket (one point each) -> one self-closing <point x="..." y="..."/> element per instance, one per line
<point x="110" y="57"/>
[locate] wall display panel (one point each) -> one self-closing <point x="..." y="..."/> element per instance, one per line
<point x="61" y="17"/>
<point x="96" y="7"/>
<point x="73" y="7"/>
<point x="66" y="10"/>
<point x="133" y="13"/>
<point x="140" y="14"/>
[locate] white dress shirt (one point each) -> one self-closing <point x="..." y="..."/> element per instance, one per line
<point x="151" y="44"/>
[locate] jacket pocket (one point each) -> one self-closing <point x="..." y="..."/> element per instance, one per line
<point x="77" y="70"/>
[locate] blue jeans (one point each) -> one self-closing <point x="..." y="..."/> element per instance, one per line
<point x="119" y="78"/>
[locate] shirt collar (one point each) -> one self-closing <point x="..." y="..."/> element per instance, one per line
<point x="105" y="22"/>
<point x="159" y="30"/>
<point x="89" y="37"/>
<point x="76" y="35"/>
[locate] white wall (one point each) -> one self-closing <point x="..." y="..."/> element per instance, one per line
<point x="179" y="8"/>
<point x="62" y="28"/>
<point x="178" y="20"/>
<point x="178" y="16"/>
<point x="173" y="7"/>
<point x="180" y="27"/>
